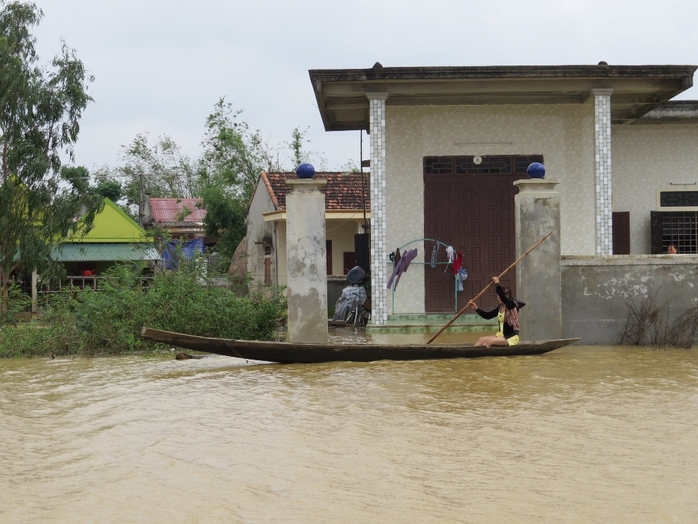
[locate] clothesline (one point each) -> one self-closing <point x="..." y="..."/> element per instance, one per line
<point x="402" y="260"/>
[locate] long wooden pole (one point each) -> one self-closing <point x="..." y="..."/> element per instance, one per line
<point x="487" y="287"/>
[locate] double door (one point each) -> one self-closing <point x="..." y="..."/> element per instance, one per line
<point x="474" y="213"/>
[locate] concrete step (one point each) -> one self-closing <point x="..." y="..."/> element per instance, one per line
<point x="432" y="322"/>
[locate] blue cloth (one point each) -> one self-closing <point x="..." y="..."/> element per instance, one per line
<point x="434" y="254"/>
<point x="176" y="249"/>
<point x="460" y="277"/>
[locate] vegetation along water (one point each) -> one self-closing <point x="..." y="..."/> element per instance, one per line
<point x="109" y="321"/>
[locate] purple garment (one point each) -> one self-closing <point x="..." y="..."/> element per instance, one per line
<point x="401" y="267"/>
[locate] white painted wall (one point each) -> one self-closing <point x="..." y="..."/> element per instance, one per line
<point x="257" y="230"/>
<point x="645" y="158"/>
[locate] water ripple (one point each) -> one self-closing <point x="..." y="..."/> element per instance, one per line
<point x="584" y="434"/>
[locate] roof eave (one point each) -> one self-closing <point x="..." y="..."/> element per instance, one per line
<point x="343" y="105"/>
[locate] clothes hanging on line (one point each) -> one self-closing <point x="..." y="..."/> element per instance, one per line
<point x="457" y="262"/>
<point x="460" y="277"/>
<point x="395" y="257"/>
<point x="435" y="253"/>
<point x="450" y="252"/>
<point x="407" y="257"/>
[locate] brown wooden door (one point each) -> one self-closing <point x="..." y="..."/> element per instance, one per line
<point x="621" y="232"/>
<point x="473" y="212"/>
<point x="349" y="261"/>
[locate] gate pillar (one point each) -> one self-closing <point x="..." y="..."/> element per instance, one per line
<point x="538" y="275"/>
<point x="306" y="254"/>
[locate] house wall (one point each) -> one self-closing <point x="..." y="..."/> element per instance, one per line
<point x="257" y="232"/>
<point x="595" y="291"/>
<point x="282" y="263"/>
<point x="645" y="158"/>
<point x="564" y="134"/>
<point x="341" y="233"/>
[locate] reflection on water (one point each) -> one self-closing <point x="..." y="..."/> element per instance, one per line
<point x="351" y="335"/>
<point x="582" y="434"/>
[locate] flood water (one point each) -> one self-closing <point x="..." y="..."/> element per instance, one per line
<point x="582" y="434"/>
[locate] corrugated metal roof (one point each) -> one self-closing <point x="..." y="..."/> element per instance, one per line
<point x="177" y="210"/>
<point x="104" y="252"/>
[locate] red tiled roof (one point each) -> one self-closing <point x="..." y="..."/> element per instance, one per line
<point x="343" y="190"/>
<point x="171" y="210"/>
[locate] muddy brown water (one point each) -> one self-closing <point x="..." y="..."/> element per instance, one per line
<point x="582" y="434"/>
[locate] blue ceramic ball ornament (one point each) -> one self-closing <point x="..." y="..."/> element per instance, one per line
<point x="536" y="170"/>
<point x="305" y="171"/>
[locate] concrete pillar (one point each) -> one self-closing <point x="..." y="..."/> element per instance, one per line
<point x="380" y="296"/>
<point x="538" y="275"/>
<point x="602" y="176"/>
<point x="306" y="255"/>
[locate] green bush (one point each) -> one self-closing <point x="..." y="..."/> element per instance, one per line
<point x="17" y="302"/>
<point x="110" y="320"/>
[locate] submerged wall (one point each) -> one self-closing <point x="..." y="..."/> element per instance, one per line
<point x="595" y="291"/>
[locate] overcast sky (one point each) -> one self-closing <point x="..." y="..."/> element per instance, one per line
<point x="160" y="66"/>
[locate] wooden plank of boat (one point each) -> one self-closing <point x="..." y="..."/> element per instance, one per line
<point x="288" y="352"/>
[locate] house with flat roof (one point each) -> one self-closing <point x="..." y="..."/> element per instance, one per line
<point x="447" y="143"/>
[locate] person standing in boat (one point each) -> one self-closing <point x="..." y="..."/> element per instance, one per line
<point x="507" y="313"/>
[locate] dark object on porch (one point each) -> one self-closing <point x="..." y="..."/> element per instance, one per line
<point x="362" y="247"/>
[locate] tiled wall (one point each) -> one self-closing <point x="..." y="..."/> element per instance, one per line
<point x="379" y="277"/>
<point x="563" y="134"/>
<point x="602" y="177"/>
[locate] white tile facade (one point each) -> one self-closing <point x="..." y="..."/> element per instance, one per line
<point x="563" y="134"/>
<point x="575" y="141"/>
<point x="379" y="251"/>
<point x="602" y="177"/>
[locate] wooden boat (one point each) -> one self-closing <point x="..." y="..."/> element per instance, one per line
<point x="288" y="352"/>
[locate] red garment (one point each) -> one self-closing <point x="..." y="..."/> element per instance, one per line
<point x="457" y="262"/>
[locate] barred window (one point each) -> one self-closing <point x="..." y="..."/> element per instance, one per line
<point x="678" y="198"/>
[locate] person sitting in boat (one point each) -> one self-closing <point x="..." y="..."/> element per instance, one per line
<point x="507" y="313"/>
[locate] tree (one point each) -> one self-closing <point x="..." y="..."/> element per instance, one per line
<point x="299" y="154"/>
<point x="40" y="111"/>
<point x="296" y="146"/>
<point x="110" y="189"/>
<point x="232" y="159"/>
<point x="160" y="170"/>
<point x="225" y="219"/>
<point x="233" y="156"/>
